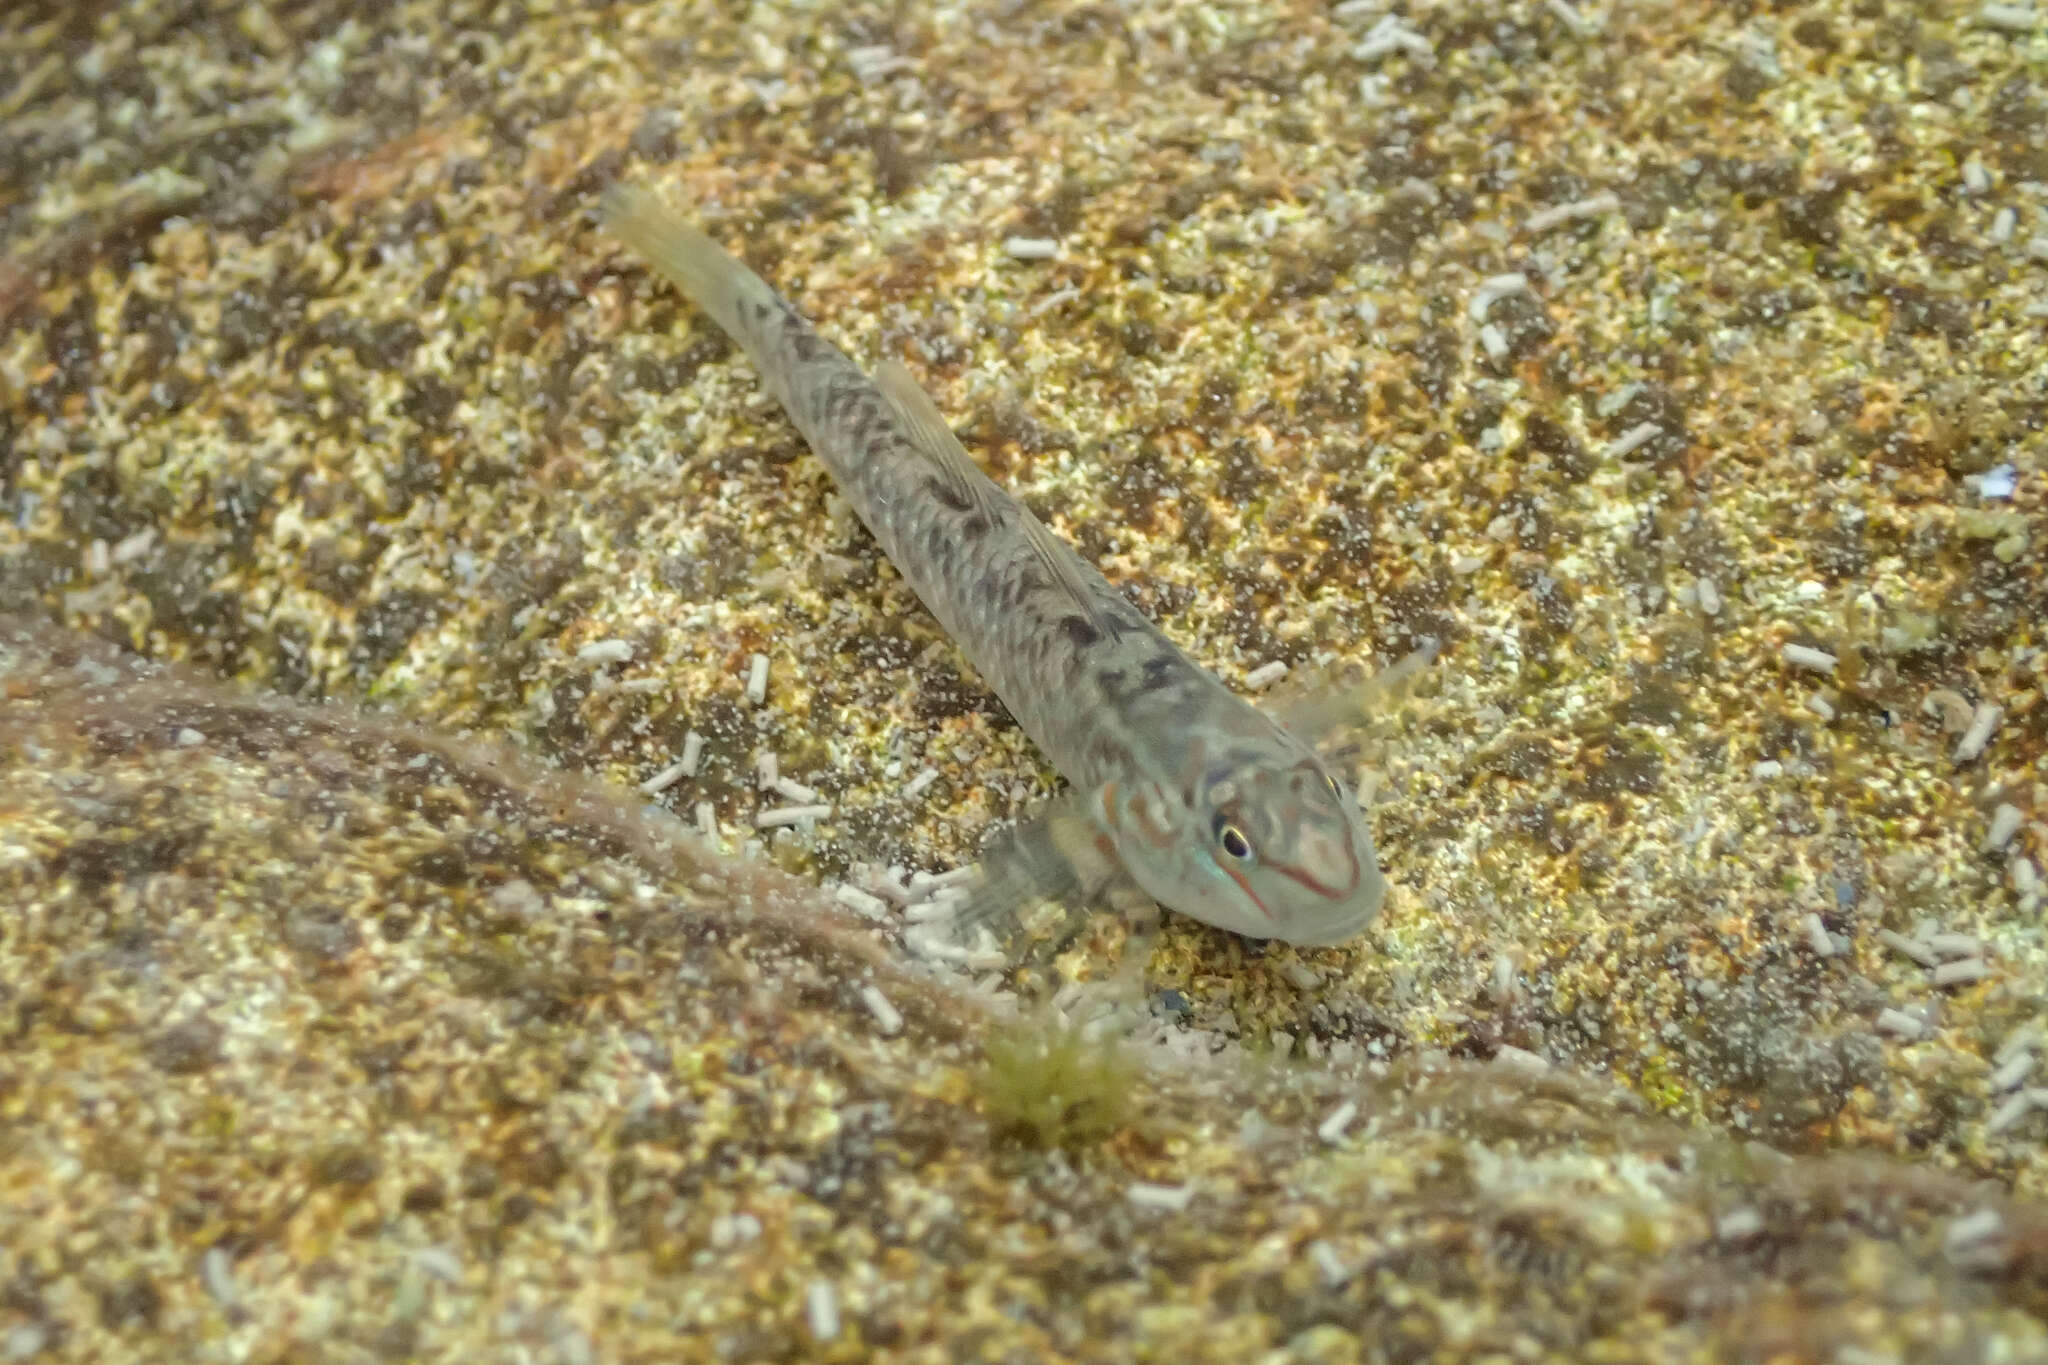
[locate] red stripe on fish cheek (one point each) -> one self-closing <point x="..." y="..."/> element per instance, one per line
<point x="1251" y="895"/>
<point x="1333" y="892"/>
<point x="1321" y="888"/>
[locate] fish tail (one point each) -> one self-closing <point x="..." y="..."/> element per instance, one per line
<point x="714" y="280"/>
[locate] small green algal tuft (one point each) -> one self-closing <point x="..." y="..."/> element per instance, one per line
<point x="2009" y="529"/>
<point x="1047" y="1084"/>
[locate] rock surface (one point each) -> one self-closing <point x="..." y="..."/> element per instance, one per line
<point x="1679" y="367"/>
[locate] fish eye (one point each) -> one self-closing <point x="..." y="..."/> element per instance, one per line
<point x="1232" y="839"/>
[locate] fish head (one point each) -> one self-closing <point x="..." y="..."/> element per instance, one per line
<point x="1267" y="845"/>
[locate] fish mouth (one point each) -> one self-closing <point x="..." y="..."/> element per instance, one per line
<point x="1350" y="927"/>
<point x="1331" y="937"/>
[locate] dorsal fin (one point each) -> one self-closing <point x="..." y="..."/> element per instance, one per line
<point x="926" y="429"/>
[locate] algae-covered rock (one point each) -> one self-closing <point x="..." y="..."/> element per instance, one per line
<point x="1674" y="368"/>
<point x="317" y="1018"/>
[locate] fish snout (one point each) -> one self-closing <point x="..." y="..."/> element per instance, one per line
<point x="1341" y="921"/>
<point x="1339" y="865"/>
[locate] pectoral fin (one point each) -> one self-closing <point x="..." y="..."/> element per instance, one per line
<point x="1326" y="708"/>
<point x="1057" y="855"/>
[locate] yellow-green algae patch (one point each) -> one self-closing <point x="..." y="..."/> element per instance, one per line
<point x="1049" y="1084"/>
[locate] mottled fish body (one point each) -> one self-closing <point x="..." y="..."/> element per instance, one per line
<point x="1208" y="804"/>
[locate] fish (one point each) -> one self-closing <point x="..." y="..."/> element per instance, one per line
<point x="1210" y="806"/>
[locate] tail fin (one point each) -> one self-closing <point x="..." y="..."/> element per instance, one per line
<point x="715" y="282"/>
